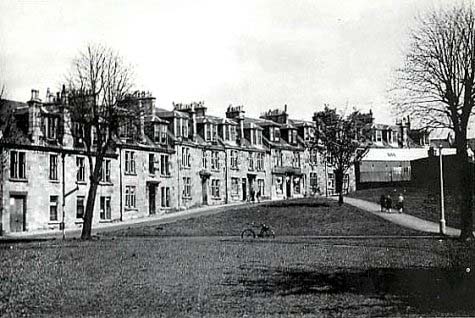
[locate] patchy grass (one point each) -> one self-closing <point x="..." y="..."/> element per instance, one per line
<point x="204" y="277"/>
<point x="313" y="216"/>
<point x="199" y="268"/>
<point x="419" y="201"/>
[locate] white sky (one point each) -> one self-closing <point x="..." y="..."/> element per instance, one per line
<point x="261" y="54"/>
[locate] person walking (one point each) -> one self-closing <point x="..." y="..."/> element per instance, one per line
<point x="382" y="202"/>
<point x="400" y="203"/>
<point x="389" y="203"/>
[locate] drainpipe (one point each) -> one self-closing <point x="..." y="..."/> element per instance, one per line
<point x="62" y="225"/>
<point x="226" y="198"/>
<point x="326" y="179"/>
<point x="120" y="184"/>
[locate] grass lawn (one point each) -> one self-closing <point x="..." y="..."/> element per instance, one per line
<point x="198" y="268"/>
<point x="314" y="217"/>
<point x="418" y="201"/>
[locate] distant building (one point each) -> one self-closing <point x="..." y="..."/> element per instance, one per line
<point x="388" y="160"/>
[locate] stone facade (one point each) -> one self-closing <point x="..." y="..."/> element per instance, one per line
<point x="176" y="159"/>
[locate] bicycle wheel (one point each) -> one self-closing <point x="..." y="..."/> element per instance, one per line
<point x="248" y="234"/>
<point x="268" y="233"/>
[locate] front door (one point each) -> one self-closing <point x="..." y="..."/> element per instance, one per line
<point x="244" y="189"/>
<point x="17" y="213"/>
<point x="204" y="190"/>
<point x="152" y="194"/>
<point x="288" y="186"/>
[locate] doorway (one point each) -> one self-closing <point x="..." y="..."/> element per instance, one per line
<point x="244" y="189"/>
<point x="204" y="190"/>
<point x="288" y="187"/>
<point x="152" y="195"/>
<point x="17" y="213"/>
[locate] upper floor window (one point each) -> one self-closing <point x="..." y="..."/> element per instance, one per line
<point x="232" y="131"/>
<point x="165" y="165"/>
<point x="130" y="162"/>
<point x="215" y="160"/>
<point x="296" y="160"/>
<point x="163" y="134"/>
<point x="53" y="167"/>
<point x="106" y="170"/>
<point x="52" y="124"/>
<point x="251" y="161"/>
<point x="185" y="157"/>
<point x="211" y="132"/>
<point x="260" y="161"/>
<point x="182" y="127"/>
<point x="80" y="176"/>
<point x="234" y="159"/>
<point x="17" y="164"/>
<point x="379" y="136"/>
<point x="151" y="163"/>
<point x="204" y="159"/>
<point x="274" y="134"/>
<point x="313" y="156"/>
<point x="278" y="158"/>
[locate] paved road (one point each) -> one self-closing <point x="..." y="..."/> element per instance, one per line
<point x="402" y="219"/>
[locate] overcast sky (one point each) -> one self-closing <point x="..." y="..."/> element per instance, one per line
<point x="260" y="54"/>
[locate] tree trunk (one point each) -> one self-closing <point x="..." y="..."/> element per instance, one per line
<point x="465" y="193"/>
<point x="339" y="185"/>
<point x="91" y="199"/>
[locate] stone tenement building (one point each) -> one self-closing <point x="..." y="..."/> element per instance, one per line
<point x="164" y="161"/>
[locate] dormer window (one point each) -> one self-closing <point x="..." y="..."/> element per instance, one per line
<point x="274" y="133"/>
<point x="379" y="136"/>
<point x="52" y="127"/>
<point x="211" y="132"/>
<point x="160" y="133"/>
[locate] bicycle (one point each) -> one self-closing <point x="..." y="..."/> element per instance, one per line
<point x="264" y="232"/>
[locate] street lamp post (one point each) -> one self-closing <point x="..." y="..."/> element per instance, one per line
<point x="442" y="212"/>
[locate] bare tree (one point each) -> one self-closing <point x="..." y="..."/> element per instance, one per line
<point x="98" y="85"/>
<point x="345" y="140"/>
<point x="436" y="85"/>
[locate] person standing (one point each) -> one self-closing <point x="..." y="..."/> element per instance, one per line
<point x="400" y="203"/>
<point x="389" y="203"/>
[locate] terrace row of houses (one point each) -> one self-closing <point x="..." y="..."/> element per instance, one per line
<point x="164" y="161"/>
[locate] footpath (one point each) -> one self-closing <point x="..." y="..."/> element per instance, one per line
<point x="402" y="219"/>
<point x="151" y="220"/>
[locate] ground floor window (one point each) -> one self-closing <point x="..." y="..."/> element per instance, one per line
<point x="234" y="186"/>
<point x="215" y="188"/>
<point x="165" y="195"/>
<point x="53" y="208"/>
<point x="186" y="187"/>
<point x="297" y="187"/>
<point x="105" y="208"/>
<point x="331" y="183"/>
<point x="279" y="185"/>
<point x="80" y="207"/>
<point x="260" y="187"/>
<point x="130" y="197"/>
<point x="314" y="182"/>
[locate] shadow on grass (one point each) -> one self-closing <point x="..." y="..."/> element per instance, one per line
<point x="423" y="290"/>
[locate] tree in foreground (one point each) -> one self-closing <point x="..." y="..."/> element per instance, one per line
<point x="98" y="86"/>
<point x="344" y="139"/>
<point x="436" y="85"/>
